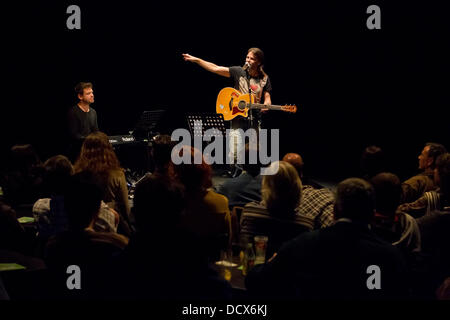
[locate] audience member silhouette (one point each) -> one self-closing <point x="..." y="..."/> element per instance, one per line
<point x="207" y="213"/>
<point x="443" y="292"/>
<point x="246" y="187"/>
<point x="434" y="227"/>
<point x="98" y="157"/>
<point x="275" y="216"/>
<point x="434" y="200"/>
<point x="181" y="224"/>
<point x="338" y="262"/>
<point x="372" y="162"/>
<point x="81" y="246"/>
<point x="49" y="212"/>
<point x="12" y="235"/>
<point x="317" y="202"/>
<point x="297" y="161"/>
<point x="394" y="226"/>
<point x="23" y="182"/>
<point x="161" y="152"/>
<point x="163" y="261"/>
<point x="416" y="186"/>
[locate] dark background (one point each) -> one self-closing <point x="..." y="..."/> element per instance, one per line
<point x="353" y="86"/>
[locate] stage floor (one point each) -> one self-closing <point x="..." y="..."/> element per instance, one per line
<point x="220" y="176"/>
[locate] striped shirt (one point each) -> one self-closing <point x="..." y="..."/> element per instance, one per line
<point x="256" y="220"/>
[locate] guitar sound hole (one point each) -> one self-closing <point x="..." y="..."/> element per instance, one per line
<point x="241" y="105"/>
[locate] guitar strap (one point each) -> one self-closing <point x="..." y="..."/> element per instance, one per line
<point x="262" y="84"/>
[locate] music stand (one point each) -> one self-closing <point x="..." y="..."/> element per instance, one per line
<point x="201" y="122"/>
<point x="147" y="123"/>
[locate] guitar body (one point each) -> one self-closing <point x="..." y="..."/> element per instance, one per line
<point x="231" y="103"/>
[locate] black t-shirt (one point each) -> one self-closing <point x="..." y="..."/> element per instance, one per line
<point x="258" y="88"/>
<point x="81" y="123"/>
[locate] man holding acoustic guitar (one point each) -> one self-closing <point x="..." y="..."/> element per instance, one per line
<point x="236" y="105"/>
<point x="259" y="80"/>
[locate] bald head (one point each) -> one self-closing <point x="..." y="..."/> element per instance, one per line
<point x="296" y="160"/>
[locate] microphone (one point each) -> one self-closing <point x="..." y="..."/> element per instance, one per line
<point x="246" y="66"/>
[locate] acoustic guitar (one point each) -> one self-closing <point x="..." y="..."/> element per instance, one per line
<point x="231" y="103"/>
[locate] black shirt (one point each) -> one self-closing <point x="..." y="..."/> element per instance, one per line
<point x="258" y="88"/>
<point x="81" y="123"/>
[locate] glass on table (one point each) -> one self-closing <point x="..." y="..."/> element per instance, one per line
<point x="260" y="249"/>
<point x="226" y="263"/>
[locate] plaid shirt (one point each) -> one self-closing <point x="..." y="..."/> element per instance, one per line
<point x="52" y="218"/>
<point x="318" y="205"/>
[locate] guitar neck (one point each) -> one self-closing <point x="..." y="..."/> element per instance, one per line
<point x="265" y="106"/>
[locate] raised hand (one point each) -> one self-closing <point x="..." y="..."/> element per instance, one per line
<point x="188" y="57"/>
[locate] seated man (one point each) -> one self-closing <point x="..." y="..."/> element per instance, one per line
<point x="434" y="227"/>
<point x="394" y="226"/>
<point x="81" y="118"/>
<point x="434" y="200"/>
<point x="337" y="262"/>
<point x="415" y="187"/>
<point x="81" y="245"/>
<point x="244" y="188"/>
<point x="317" y="202"/>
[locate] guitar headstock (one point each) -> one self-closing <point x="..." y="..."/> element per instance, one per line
<point x="289" y="108"/>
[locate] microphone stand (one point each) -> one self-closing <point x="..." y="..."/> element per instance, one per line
<point x="249" y="98"/>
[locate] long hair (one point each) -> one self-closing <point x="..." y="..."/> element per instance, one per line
<point x="259" y="54"/>
<point x="97" y="155"/>
<point x="282" y="192"/>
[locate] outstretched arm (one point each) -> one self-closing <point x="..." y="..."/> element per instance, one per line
<point x="211" y="67"/>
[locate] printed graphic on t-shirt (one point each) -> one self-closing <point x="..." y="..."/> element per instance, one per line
<point x="255" y="86"/>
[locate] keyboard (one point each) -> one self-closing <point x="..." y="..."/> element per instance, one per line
<point x="121" y="139"/>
